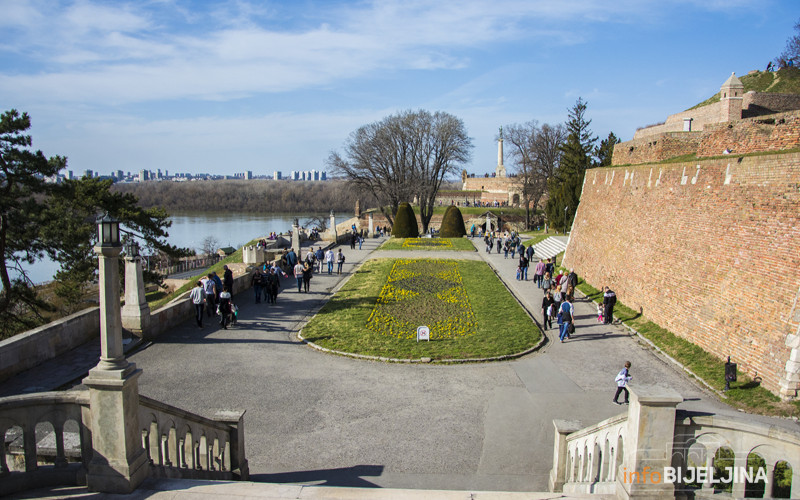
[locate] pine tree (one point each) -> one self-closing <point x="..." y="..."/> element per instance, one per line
<point x="605" y="150"/>
<point x="564" y="188"/>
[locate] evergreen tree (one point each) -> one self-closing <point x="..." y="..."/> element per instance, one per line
<point x="605" y="150"/>
<point x="564" y="188"/>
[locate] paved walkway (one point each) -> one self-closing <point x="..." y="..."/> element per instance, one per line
<point x="315" y="418"/>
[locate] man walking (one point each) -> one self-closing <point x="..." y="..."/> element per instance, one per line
<point x="198" y="296"/>
<point x="329" y="260"/>
<point x="567" y="312"/>
<point x="623" y="377"/>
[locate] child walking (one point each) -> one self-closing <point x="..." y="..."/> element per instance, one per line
<point x="599" y="313"/>
<point x="623" y="377"/>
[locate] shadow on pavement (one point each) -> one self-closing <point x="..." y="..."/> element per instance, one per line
<point x="346" y="476"/>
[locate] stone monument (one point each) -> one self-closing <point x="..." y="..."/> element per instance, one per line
<point x="136" y="312"/>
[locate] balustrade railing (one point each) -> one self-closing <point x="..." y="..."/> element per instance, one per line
<point x="47" y="441"/>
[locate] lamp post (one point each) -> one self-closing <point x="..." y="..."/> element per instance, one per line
<point x="565" y="219"/>
<point x="119" y="463"/>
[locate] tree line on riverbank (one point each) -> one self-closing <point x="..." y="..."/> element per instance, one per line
<point x="240" y="195"/>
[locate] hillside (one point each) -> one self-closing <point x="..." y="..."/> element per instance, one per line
<point x="785" y="81"/>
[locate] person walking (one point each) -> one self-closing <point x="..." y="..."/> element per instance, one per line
<point x="198" y="296"/>
<point x="329" y="260"/>
<point x="545" y="283"/>
<point x="523" y="266"/>
<point x="547" y="310"/>
<point x="567" y="313"/>
<point x="622" y="379"/>
<point x="319" y="255"/>
<point x="255" y="282"/>
<point x="298" y="275"/>
<point x="210" y="288"/>
<point x="273" y="283"/>
<point x="529" y="253"/>
<point x="225" y="308"/>
<point x="609" y="300"/>
<point x="538" y="275"/>
<point x="307" y="272"/>
<point x="339" y="262"/>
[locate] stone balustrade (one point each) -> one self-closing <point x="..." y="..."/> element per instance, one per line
<point x="182" y="444"/>
<point x="655" y="451"/>
<point x="47" y="441"/>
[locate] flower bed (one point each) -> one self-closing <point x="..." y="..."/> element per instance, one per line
<point x="427" y="242"/>
<point x="468" y="310"/>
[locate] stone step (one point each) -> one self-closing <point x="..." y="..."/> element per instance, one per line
<point x="179" y="489"/>
<point x="550" y="247"/>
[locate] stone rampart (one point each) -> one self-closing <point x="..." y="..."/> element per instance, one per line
<point x="701" y="117"/>
<point x="760" y="103"/>
<point x="656" y="148"/>
<point x="774" y="132"/>
<point x="709" y="250"/>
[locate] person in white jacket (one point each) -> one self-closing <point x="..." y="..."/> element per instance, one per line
<point x="623" y="377"/>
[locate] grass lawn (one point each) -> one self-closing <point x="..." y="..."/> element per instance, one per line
<point x="427" y="244"/>
<point x="745" y="393"/>
<point x="469" y="311"/>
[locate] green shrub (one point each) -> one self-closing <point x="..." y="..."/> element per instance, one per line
<point x="452" y="223"/>
<point x="405" y="222"/>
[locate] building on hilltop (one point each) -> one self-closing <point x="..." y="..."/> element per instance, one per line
<point x="700" y="131"/>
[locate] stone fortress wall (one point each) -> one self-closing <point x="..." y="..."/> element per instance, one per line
<point x="709" y="250"/>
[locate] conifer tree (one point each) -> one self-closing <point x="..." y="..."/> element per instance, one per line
<point x="605" y="150"/>
<point x="564" y="188"/>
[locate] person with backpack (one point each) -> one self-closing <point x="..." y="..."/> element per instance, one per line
<point x="622" y="379"/>
<point x="339" y="262"/>
<point x="523" y="267"/>
<point x="225" y="309"/>
<point x="566" y="318"/>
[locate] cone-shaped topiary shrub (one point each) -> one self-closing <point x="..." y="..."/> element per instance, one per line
<point x="405" y="222"/>
<point x="452" y="223"/>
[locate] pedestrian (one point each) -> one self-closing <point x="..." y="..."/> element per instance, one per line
<point x="217" y="285"/>
<point x="339" y="262"/>
<point x="360" y="241"/>
<point x="505" y="250"/>
<point x="567" y="319"/>
<point x="227" y="279"/>
<point x="572" y="279"/>
<point x="547" y="310"/>
<point x="523" y="266"/>
<point x="600" y="313"/>
<point x="198" y="296"/>
<point x="273" y="283"/>
<point x="550" y="267"/>
<point x="319" y="255"/>
<point x="255" y="282"/>
<point x="298" y="275"/>
<point x="329" y="260"/>
<point x="291" y="258"/>
<point x="545" y="283"/>
<point x="353" y="239"/>
<point x="538" y="274"/>
<point x="622" y="379"/>
<point x="211" y="294"/>
<point x="225" y="308"/>
<point x="529" y="253"/>
<point x="609" y="300"/>
<point x="307" y="272"/>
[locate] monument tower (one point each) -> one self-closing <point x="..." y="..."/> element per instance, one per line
<point x="500" y="171"/>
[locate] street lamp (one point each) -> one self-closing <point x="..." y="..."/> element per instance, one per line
<point x="107" y="231"/>
<point x="131" y="249"/>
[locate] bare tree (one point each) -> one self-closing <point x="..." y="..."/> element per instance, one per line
<point x="535" y="153"/>
<point x="209" y="245"/>
<point x="404" y="155"/>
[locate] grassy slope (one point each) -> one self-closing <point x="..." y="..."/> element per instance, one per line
<point x="785" y="81"/>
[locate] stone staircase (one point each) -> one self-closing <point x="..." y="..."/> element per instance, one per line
<point x="550" y="247"/>
<point x="178" y="489"/>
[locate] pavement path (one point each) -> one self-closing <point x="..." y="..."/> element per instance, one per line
<point x="316" y="418"/>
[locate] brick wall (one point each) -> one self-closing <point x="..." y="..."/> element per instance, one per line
<point x="759" y="103"/>
<point x="767" y="133"/>
<point x="652" y="149"/>
<point x="700" y="118"/>
<point x="708" y="250"/>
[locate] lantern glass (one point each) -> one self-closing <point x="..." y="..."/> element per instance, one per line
<point x="108" y="231"/>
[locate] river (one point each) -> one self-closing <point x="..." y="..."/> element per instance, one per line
<point x="190" y="229"/>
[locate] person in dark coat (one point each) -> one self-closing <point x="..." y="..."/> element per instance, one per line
<point x="227" y="279"/>
<point x="609" y="299"/>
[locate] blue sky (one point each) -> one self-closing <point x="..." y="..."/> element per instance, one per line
<point x="224" y="87"/>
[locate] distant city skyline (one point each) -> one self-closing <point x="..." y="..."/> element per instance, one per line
<point x="201" y="86"/>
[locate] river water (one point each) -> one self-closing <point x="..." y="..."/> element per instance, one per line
<point x="190" y="229"/>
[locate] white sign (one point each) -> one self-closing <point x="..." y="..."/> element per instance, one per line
<point x="423" y="333"/>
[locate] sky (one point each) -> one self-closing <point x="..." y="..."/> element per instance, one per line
<point x="225" y="87"/>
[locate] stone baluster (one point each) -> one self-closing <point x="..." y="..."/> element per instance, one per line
<point x="235" y="419"/>
<point x="58" y="430"/>
<point x="4" y="471"/>
<point x="648" y="447"/>
<point x="29" y="445"/>
<point x="559" y="474"/>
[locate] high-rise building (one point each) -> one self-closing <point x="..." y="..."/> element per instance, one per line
<point x="323" y="176"/>
<point x="88" y="174"/>
<point x="276" y="176"/>
<point x="248" y="175"/>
